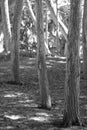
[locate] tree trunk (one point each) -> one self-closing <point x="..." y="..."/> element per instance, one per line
<point x="85" y="40"/>
<point x="15" y="40"/>
<point x="31" y="11"/>
<point x="57" y="37"/>
<point x="47" y="51"/>
<point x="6" y="24"/>
<point x="62" y="26"/>
<point x="72" y="83"/>
<point x="46" y="26"/>
<point x="42" y="73"/>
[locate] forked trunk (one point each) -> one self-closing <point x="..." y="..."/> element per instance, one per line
<point x="72" y="83"/>
<point x="42" y="73"/>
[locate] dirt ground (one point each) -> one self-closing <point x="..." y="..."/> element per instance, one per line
<point x="19" y="103"/>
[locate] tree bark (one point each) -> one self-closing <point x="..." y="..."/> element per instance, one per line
<point x="84" y="33"/>
<point x="62" y="27"/>
<point x="6" y="24"/>
<point x="31" y="12"/>
<point x="47" y="51"/>
<point x="72" y="83"/>
<point x="42" y="73"/>
<point x="57" y="37"/>
<point x="15" y="40"/>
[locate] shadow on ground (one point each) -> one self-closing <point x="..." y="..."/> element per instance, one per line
<point x="19" y="102"/>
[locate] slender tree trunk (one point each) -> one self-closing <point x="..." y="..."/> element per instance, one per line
<point x="85" y="40"/>
<point x="46" y="25"/>
<point x="62" y="26"/>
<point x="47" y="51"/>
<point x="15" y="40"/>
<point x="57" y="37"/>
<point x="6" y="24"/>
<point x="42" y="73"/>
<point x="72" y="83"/>
<point x="31" y="11"/>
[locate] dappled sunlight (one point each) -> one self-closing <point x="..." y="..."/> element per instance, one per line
<point x="25" y="101"/>
<point x="51" y="62"/>
<point x="49" y="66"/>
<point x="10" y="95"/>
<point x="32" y="105"/>
<point x="14" y="117"/>
<point x="13" y="94"/>
<point x="9" y="127"/>
<point x="42" y="114"/>
<point x="83" y="97"/>
<point x="25" y="67"/>
<point x="60" y="115"/>
<point x="60" y="101"/>
<point x="62" y="62"/>
<point x="41" y="117"/>
<point x="22" y="67"/>
<point x="20" y="100"/>
<point x="61" y="57"/>
<point x="32" y="59"/>
<point x="81" y="61"/>
<point x="6" y="128"/>
<point x="31" y="63"/>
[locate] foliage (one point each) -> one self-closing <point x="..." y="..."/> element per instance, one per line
<point x="28" y="40"/>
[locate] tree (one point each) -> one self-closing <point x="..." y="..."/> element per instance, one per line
<point x="85" y="39"/>
<point x="47" y="51"/>
<point x="6" y="24"/>
<point x="62" y="26"/>
<point x="15" y="40"/>
<point x="57" y="37"/>
<point x="72" y="83"/>
<point x="42" y="73"/>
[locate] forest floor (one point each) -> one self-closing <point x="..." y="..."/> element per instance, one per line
<point x="19" y="103"/>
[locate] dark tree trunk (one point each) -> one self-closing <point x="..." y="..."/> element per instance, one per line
<point x="42" y="73"/>
<point x="15" y="40"/>
<point x="72" y="83"/>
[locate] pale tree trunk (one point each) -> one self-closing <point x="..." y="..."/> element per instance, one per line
<point x="42" y="73"/>
<point x="15" y="40"/>
<point x="62" y="26"/>
<point x="46" y="26"/>
<point x="6" y="24"/>
<point x="57" y="37"/>
<point x="1" y="38"/>
<point x="72" y="83"/>
<point x="85" y="40"/>
<point x="31" y="11"/>
<point x="47" y="51"/>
